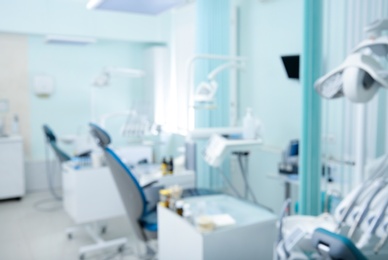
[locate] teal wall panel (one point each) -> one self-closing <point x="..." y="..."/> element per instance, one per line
<point x="310" y="152"/>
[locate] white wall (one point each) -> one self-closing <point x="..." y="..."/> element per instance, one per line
<point x="182" y="49"/>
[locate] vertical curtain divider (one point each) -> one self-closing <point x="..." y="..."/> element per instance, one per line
<point x="310" y="159"/>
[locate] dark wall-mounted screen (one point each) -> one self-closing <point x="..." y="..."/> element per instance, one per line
<point x="291" y="64"/>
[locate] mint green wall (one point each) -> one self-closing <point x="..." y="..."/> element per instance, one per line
<point x="70" y="17"/>
<point x="267" y="31"/>
<point x="73" y="69"/>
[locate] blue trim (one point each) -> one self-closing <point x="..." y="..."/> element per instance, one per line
<point x="150" y="221"/>
<point x="102" y="131"/>
<point x="108" y="150"/>
<point x="151" y="227"/>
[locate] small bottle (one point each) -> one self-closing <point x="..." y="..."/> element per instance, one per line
<point x="170" y="166"/>
<point x="164" y="167"/>
<point x="179" y="207"/>
<point x="164" y="198"/>
<point x="15" y="125"/>
<point x="249" y="125"/>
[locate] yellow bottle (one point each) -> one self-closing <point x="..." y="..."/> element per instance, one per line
<point x="164" y="167"/>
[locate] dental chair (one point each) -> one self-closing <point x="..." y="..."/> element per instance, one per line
<point x="61" y="156"/>
<point x="59" y="153"/>
<point x="356" y="229"/>
<point x="52" y="141"/>
<point x="94" y="229"/>
<point x="334" y="246"/>
<point x="142" y="216"/>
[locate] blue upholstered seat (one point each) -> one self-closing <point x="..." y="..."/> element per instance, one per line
<point x="132" y="194"/>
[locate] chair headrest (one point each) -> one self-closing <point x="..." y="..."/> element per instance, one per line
<point x="101" y="136"/>
<point x="340" y="247"/>
<point x="50" y="136"/>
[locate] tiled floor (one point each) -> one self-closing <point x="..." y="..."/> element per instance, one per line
<point x="28" y="233"/>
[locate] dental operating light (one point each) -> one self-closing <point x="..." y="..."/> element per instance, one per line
<point x="206" y="90"/>
<point x="360" y="76"/>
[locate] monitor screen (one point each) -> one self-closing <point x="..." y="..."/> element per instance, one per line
<point x="291" y="64"/>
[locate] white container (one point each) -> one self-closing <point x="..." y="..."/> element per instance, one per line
<point x="97" y="159"/>
<point x="15" y="125"/>
<point x="249" y="125"/>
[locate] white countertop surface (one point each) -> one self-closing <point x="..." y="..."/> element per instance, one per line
<point x="11" y="138"/>
<point x="243" y="212"/>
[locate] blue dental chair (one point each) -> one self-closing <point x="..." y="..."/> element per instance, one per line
<point x="334" y="246"/>
<point x="52" y="141"/>
<point x="141" y="215"/>
<point x="59" y="153"/>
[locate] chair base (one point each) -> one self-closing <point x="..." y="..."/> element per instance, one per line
<point x="94" y="230"/>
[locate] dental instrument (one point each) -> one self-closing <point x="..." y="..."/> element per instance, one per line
<point x="365" y="208"/>
<point x="381" y="243"/>
<point x="375" y="222"/>
<point x="349" y="202"/>
<point x="375" y="208"/>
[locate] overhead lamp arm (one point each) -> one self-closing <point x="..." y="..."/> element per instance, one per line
<point x="190" y="81"/>
<point x="223" y="67"/>
<point x="206" y="91"/>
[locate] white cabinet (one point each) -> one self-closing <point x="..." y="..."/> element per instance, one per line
<point x="251" y="237"/>
<point x="90" y="194"/>
<point x="12" y="179"/>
